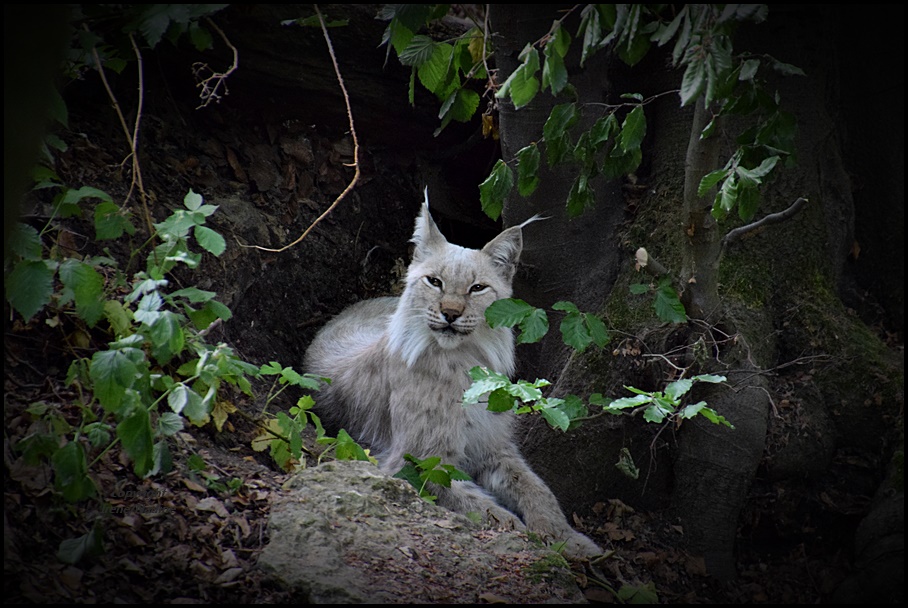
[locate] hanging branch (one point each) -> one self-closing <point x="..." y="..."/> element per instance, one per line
<point x="211" y="92"/>
<point x="355" y="165"/>
<point x="773" y="218"/>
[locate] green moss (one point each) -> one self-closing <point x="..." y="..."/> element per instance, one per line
<point x="746" y="278"/>
<point x="551" y="565"/>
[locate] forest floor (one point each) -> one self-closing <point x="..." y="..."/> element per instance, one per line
<point x="193" y="535"/>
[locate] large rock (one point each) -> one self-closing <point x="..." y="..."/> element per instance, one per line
<point x="344" y="532"/>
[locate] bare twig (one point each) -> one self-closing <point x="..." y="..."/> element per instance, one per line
<point x="134" y="142"/>
<point x="211" y="93"/>
<point x="356" y="174"/>
<point x="131" y="137"/>
<point x="773" y="218"/>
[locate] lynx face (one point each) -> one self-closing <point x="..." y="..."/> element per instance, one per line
<point x="454" y="295"/>
<point x="448" y="289"/>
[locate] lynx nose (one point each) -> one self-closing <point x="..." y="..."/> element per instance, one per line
<point x="451" y="314"/>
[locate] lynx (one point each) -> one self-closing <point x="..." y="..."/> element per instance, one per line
<point x="399" y="369"/>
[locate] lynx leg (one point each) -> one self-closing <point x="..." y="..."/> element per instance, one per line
<point x="517" y="487"/>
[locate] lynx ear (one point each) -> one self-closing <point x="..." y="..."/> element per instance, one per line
<point x="505" y="250"/>
<point x="426" y="236"/>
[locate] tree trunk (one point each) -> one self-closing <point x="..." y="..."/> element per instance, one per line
<point x="751" y="307"/>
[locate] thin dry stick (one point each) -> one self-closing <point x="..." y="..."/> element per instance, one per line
<point x="134" y="142"/>
<point x="340" y="81"/>
<point x="130" y="137"/>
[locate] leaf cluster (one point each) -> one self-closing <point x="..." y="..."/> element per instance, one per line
<point x="420" y="473"/>
<point x="657" y="406"/>
<point x="445" y="68"/>
<point x="578" y="329"/>
<point x="282" y="434"/>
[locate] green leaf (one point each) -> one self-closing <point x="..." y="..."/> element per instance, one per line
<point x="437" y="476"/>
<point x="25" y="241"/>
<point x="748" y="202"/>
<point x="176" y="226"/>
<point x="711" y="415"/>
<point x="198" y="408"/>
<point x="597" y="330"/>
<point x="574" y="332"/>
<point x="525" y="391"/>
<point x="500" y="401"/>
<point x="522" y="85"/>
<point x="638" y="288"/>
<point x="726" y="197"/>
<point x="580" y="197"/>
<point x="167" y="337"/>
<point x="709" y="180"/>
<point x="554" y="72"/>
<point x="410" y="474"/>
<point x="633" y="130"/>
<point x="71" y="473"/>
<point x="484" y="381"/>
<point x="347" y="449"/>
<point x="711" y="378"/>
<point x="678" y="388"/>
<point x="98" y="434"/>
<point x="208" y="314"/>
<point x="148" y="310"/>
<point x="556" y="418"/>
<point x="137" y="436"/>
<point x="693" y="82"/>
<point x="785" y="69"/>
<point x="666" y="32"/>
<point x="495" y="189"/>
<point x="555" y="131"/>
<point x="565" y="306"/>
<point x="210" y="240"/>
<point x="655" y="413"/>
<point x="193" y="294"/>
<point x="635" y="51"/>
<point x="749" y="69"/>
<point x="412" y="16"/>
<point x="169" y="424"/>
<point x="91" y="544"/>
<point x="437" y="74"/>
<point x="533" y="327"/>
<point x="592" y="32"/>
<point x="459" y="106"/>
<point x="507" y="312"/>
<point x="87" y="287"/>
<point x="76" y="196"/>
<point x="528" y="170"/>
<point x="628" y="402"/>
<point x="111" y="222"/>
<point x="418" y="51"/>
<point x="642" y="594"/>
<point x="667" y="304"/>
<point x="29" y="287"/>
<point x="112" y="372"/>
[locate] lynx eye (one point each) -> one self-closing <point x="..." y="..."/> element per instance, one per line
<point x="478" y="287"/>
<point x="433" y="281"/>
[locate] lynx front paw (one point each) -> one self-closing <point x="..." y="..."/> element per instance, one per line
<point x="578" y="545"/>
<point x="502" y="519"/>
